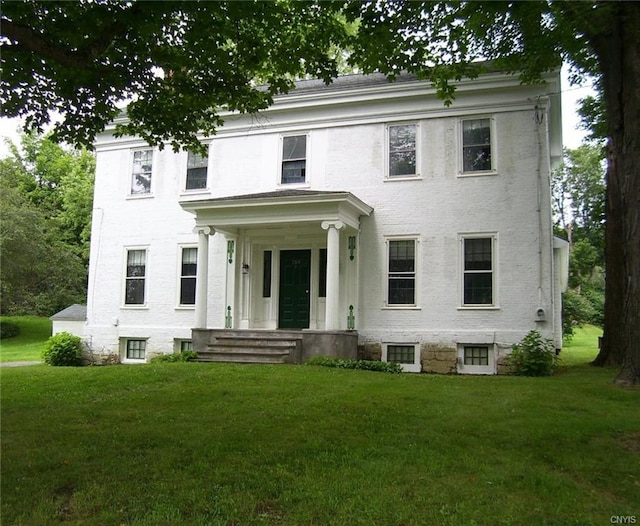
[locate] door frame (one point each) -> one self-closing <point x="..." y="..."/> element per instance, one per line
<point x="309" y="285"/>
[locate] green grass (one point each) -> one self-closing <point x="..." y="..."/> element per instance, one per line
<point x="583" y="346"/>
<point x="29" y="343"/>
<point x="220" y="444"/>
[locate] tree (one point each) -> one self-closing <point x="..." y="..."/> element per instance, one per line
<point x="181" y="63"/>
<point x="46" y="200"/>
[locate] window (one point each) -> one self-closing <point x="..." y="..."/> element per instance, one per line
<point x="294" y="154"/>
<point x="136" y="349"/>
<point x="266" y="273"/>
<point x="188" y="269"/>
<point x="135" y="277"/>
<point x="478" y="273"/>
<point x="406" y="355"/>
<point x="196" y="171"/>
<point x="476" y="358"/>
<point x="402" y="150"/>
<point x="322" y="274"/>
<point x="141" y="176"/>
<point x="186" y="346"/>
<point x="476" y="145"/>
<point x="401" y="272"/>
<point x="476" y="355"/>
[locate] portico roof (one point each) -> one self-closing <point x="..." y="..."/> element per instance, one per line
<point x="278" y="208"/>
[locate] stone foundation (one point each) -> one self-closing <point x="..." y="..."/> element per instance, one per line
<point x="438" y="359"/>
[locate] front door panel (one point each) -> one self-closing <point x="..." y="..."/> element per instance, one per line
<point x="295" y="280"/>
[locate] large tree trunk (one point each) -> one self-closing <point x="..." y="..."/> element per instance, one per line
<point x="618" y="51"/>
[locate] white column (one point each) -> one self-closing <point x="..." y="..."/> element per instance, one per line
<point x="332" y="317"/>
<point x="202" y="275"/>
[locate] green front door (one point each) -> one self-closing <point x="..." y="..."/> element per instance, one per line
<point x="295" y="280"/>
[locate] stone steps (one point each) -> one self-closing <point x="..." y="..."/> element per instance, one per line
<point x="251" y="347"/>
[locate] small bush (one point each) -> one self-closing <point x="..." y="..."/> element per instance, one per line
<point x="183" y="356"/>
<point x="8" y="329"/>
<point x="62" y="349"/>
<point x="366" y="365"/>
<point x="533" y="356"/>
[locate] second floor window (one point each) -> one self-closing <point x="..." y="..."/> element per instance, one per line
<point x="476" y="145"/>
<point x="141" y="173"/>
<point x="402" y="150"/>
<point x="196" y="171"/>
<point x="294" y="159"/>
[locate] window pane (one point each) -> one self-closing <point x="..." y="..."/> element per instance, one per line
<point x="402" y="291"/>
<point x="134" y="294"/>
<point x="478" y="289"/>
<point x="195" y="160"/>
<point x="189" y="261"/>
<point x="136" y="349"/>
<point x="196" y="178"/>
<point x="322" y="274"/>
<point x="402" y="150"/>
<point x="187" y="291"/>
<point x="402" y="256"/>
<point x="477" y="254"/>
<point x="476" y="139"/>
<point x="141" y="178"/>
<point x="293" y="172"/>
<point x="476" y="355"/>
<point x="186" y="346"/>
<point x="266" y="274"/>
<point x="401" y="353"/>
<point x="136" y="266"/>
<point x="294" y="148"/>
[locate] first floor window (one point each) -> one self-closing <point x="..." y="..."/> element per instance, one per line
<point x="478" y="271"/>
<point x="401" y="267"/>
<point x="136" y="349"/>
<point x="476" y="145"/>
<point x="188" y="270"/>
<point x="402" y="150"/>
<point x="186" y="346"/>
<point x="294" y="159"/>
<point x="476" y="355"/>
<point x="197" y="165"/>
<point x="135" y="277"/>
<point x="322" y="274"/>
<point x="266" y="273"/>
<point x="401" y="353"/>
<point x="141" y="173"/>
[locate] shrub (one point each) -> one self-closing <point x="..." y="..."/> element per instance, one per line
<point x="8" y="329"/>
<point x="533" y="356"/>
<point x="62" y="349"/>
<point x="183" y="356"/>
<point x="366" y="365"/>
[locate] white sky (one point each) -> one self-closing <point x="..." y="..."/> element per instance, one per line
<point x="572" y="137"/>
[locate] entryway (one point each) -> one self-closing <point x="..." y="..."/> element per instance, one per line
<point x="295" y="285"/>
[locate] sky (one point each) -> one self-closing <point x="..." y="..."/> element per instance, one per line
<point x="572" y="137"/>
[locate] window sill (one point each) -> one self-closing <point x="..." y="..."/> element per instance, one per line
<point x="195" y="191"/>
<point x="130" y="361"/>
<point x="282" y="186"/>
<point x="389" y="179"/>
<point x="135" y="307"/>
<point x="139" y="196"/>
<point x="185" y="307"/>
<point x="479" y="307"/>
<point x="477" y="174"/>
<point x="401" y="307"/>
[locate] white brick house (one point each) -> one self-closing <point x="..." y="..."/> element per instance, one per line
<point x="364" y="218"/>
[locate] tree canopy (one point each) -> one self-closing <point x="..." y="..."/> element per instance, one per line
<point x="181" y="65"/>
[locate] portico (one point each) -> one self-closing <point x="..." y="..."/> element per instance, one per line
<point x="291" y="259"/>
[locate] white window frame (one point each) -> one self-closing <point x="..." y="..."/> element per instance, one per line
<point x="416" y="273"/>
<point x="387" y="174"/>
<point x="132" y="173"/>
<point x="181" y="249"/>
<point x="494" y="271"/>
<point x="493" y="148"/>
<point x="307" y="159"/>
<point x="186" y="172"/>
<point x="177" y="344"/>
<point x="124" y="349"/>
<point x="490" y="368"/>
<point x="125" y="278"/>
<point x="414" y="367"/>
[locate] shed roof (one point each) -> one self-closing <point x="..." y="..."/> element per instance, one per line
<point x="75" y="312"/>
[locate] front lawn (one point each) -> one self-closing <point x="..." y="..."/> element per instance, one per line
<point x="221" y="444"/>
